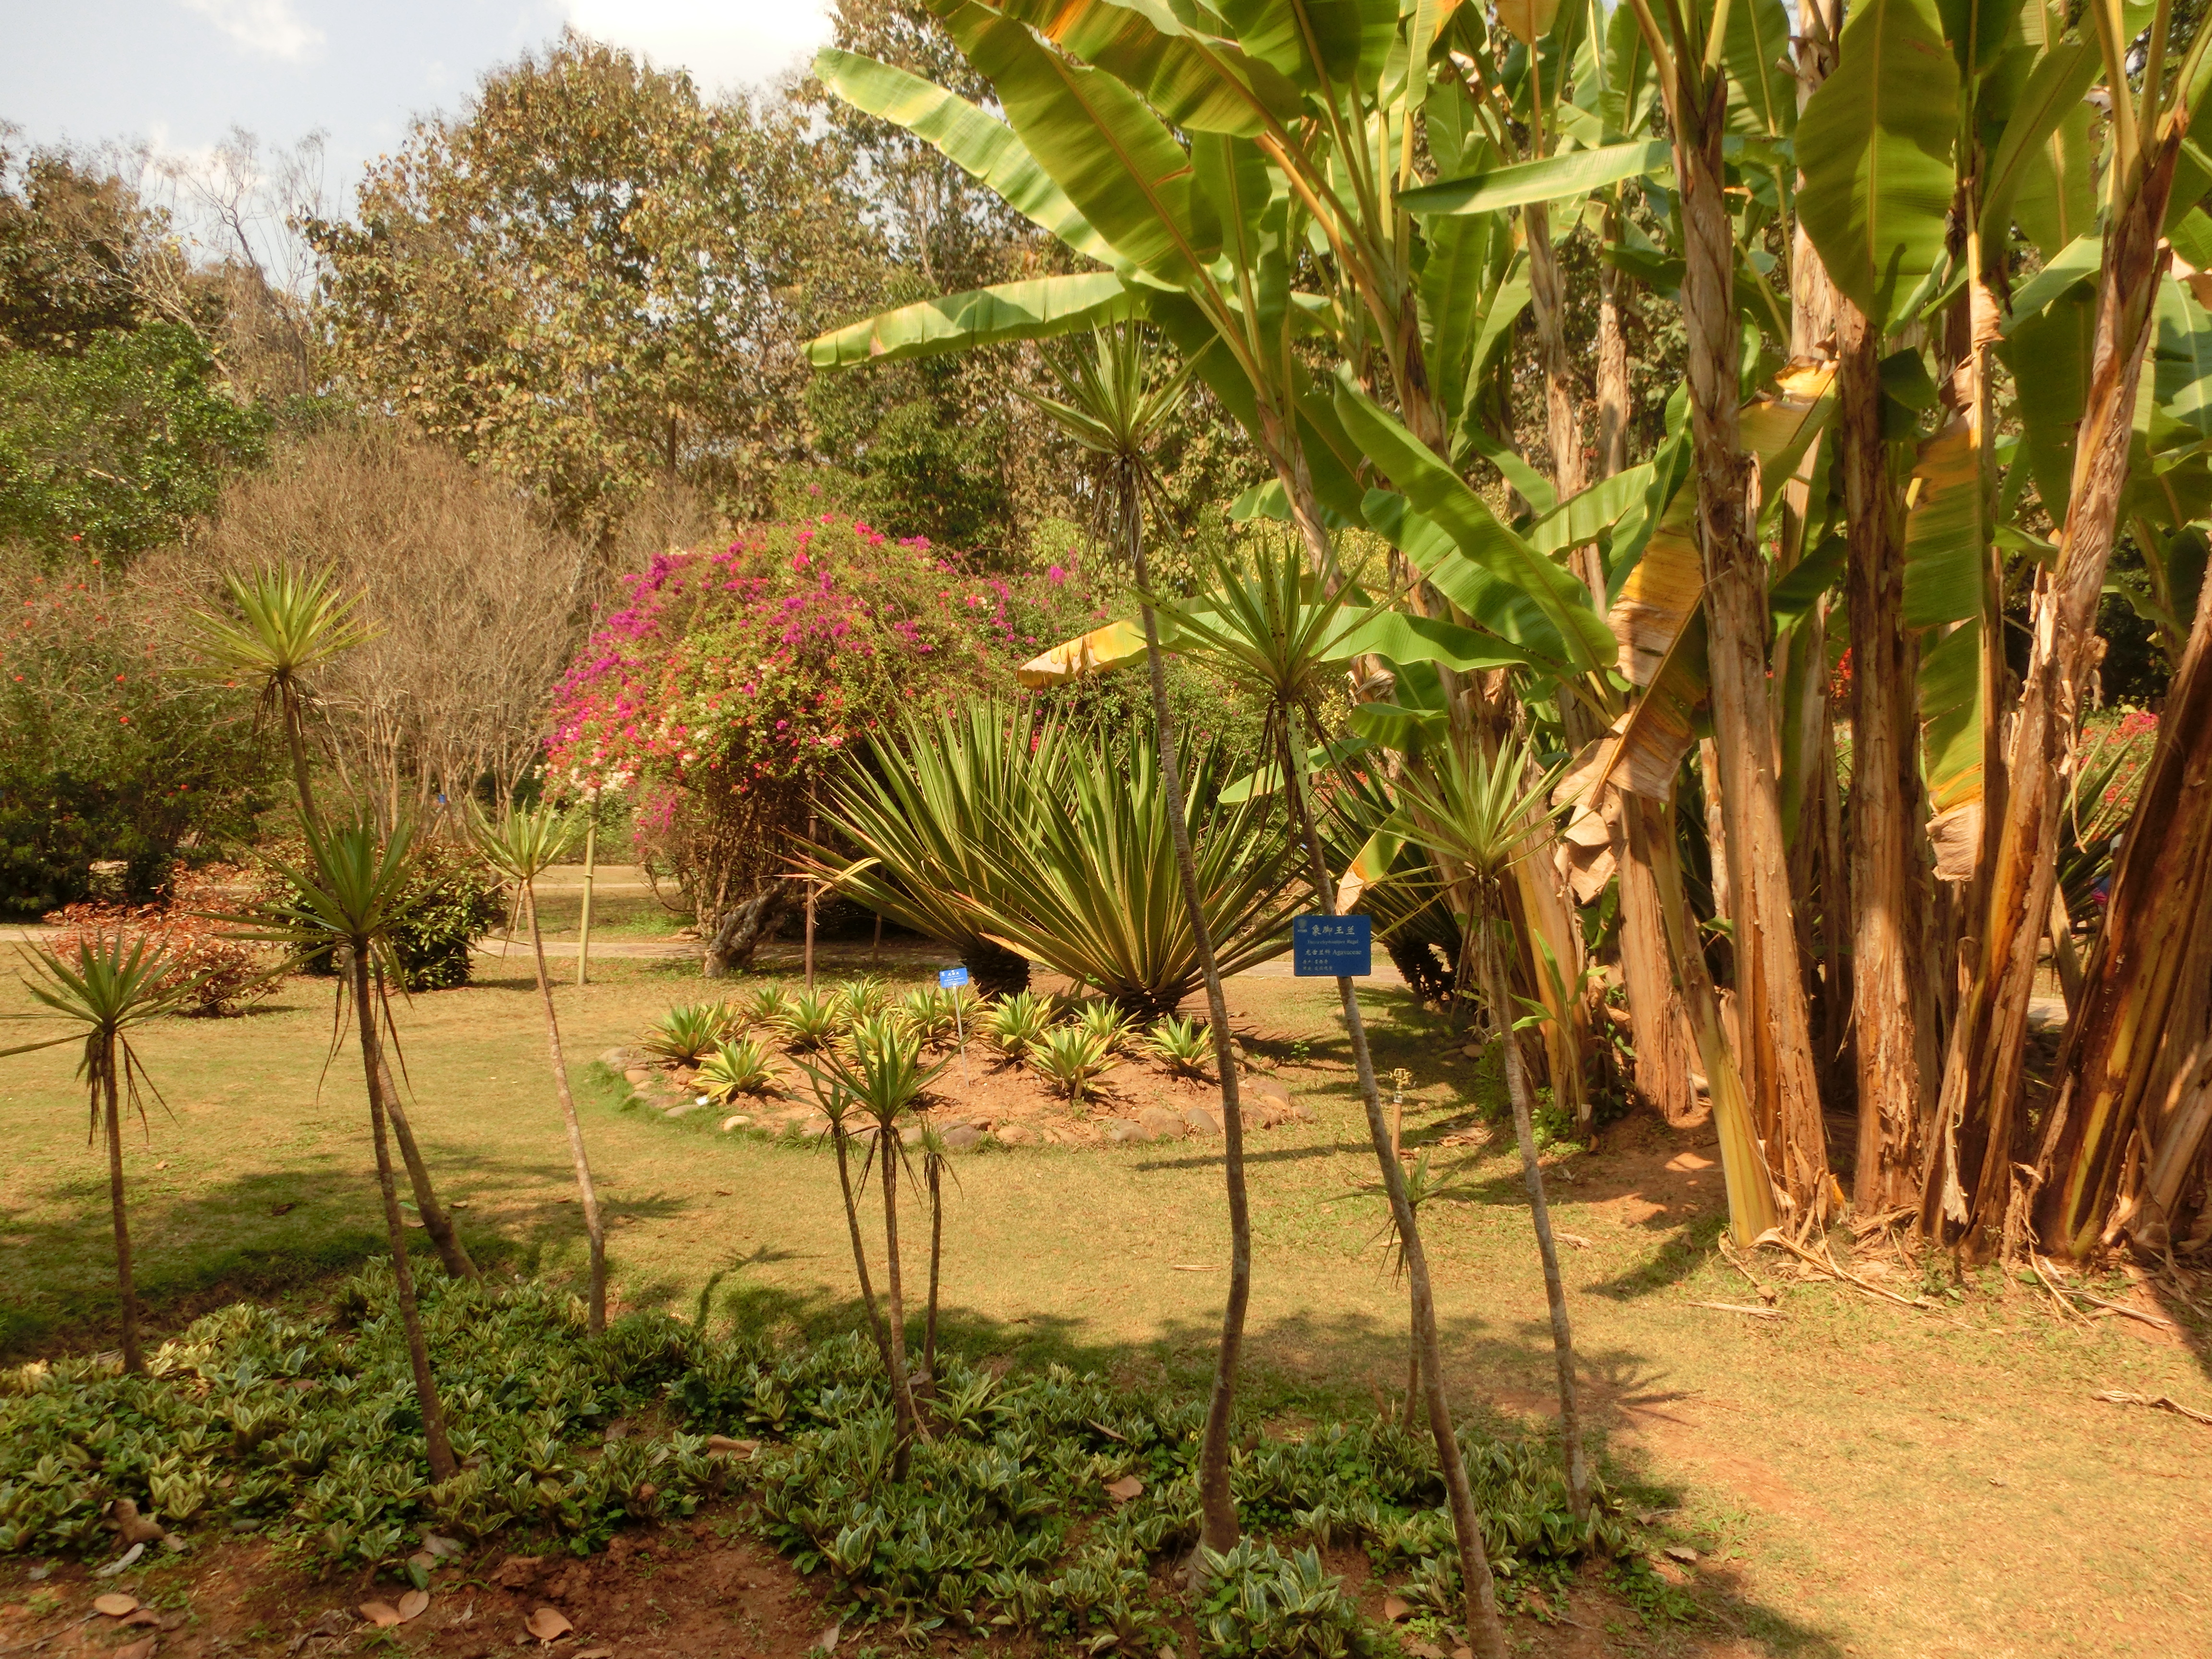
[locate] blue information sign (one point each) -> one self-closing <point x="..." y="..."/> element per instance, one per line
<point x="1330" y="946"/>
<point x="949" y="977"/>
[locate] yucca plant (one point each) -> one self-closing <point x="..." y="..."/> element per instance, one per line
<point x="102" y="991"/>
<point x="688" y="1032"/>
<point x="763" y="1006"/>
<point x="1017" y="1023"/>
<point x="813" y="1021"/>
<point x="1114" y="1028"/>
<point x="291" y="623"/>
<point x="347" y="893"/>
<point x="740" y="1066"/>
<point x="520" y="845"/>
<point x="1479" y="814"/>
<point x="882" y="1076"/>
<point x="1094" y="891"/>
<point x="1070" y="1057"/>
<point x="933" y="812"/>
<point x="1183" y="1046"/>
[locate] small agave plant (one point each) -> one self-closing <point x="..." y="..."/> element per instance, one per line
<point x="689" y="1032"/>
<point x="1114" y="1028"/>
<point x="858" y="999"/>
<point x="927" y="1012"/>
<point x="740" y="1066"/>
<point x="1070" y="1057"/>
<point x="1018" y="1024"/>
<point x="814" y="1020"/>
<point x="764" y="1008"/>
<point x="1183" y="1046"/>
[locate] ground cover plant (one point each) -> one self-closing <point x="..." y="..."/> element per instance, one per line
<point x="1040" y="1502"/>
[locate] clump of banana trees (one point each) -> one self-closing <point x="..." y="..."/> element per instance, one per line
<point x="1942" y="278"/>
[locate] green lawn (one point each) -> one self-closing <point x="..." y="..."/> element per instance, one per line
<point x="1857" y="1477"/>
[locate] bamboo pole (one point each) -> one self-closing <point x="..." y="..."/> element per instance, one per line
<point x="591" y="862"/>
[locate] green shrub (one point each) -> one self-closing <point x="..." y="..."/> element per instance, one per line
<point x="450" y="902"/>
<point x="1262" y="1604"/>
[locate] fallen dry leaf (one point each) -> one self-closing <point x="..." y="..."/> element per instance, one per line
<point x="141" y="1650"/>
<point x="722" y="1443"/>
<point x="597" y="1653"/>
<point x="1421" y="1650"/>
<point x="144" y="1616"/>
<point x="1462" y="1653"/>
<point x="1681" y="1553"/>
<point x="827" y="1642"/>
<point x="382" y="1615"/>
<point x="412" y="1603"/>
<point x="1127" y="1488"/>
<point x="1394" y="1609"/>
<point x="440" y="1547"/>
<point x="423" y="1559"/>
<point x="547" y="1624"/>
<point x="1575" y="1239"/>
<point x="114" y="1604"/>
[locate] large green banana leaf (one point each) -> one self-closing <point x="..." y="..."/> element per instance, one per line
<point x="1197" y="81"/>
<point x="1577" y="173"/>
<point x="979" y="144"/>
<point x="1122" y="169"/>
<point x="1036" y="309"/>
<point x="1337" y="44"/>
<point x="1442" y="497"/>
<point x="1763" y="80"/>
<point x="1876" y="143"/>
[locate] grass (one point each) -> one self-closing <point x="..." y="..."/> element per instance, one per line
<point x="1857" y="1478"/>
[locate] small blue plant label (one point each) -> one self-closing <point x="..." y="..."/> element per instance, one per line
<point x="949" y="977"/>
<point x="1327" y="946"/>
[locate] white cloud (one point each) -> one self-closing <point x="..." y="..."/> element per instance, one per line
<point x="268" y="28"/>
<point x="732" y="43"/>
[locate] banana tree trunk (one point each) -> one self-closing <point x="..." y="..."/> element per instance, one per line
<point x="1776" y="1050"/>
<point x="1890" y="893"/>
<point x="1548" y="304"/>
<point x="2134" y="976"/>
<point x="1969" y="1189"/>
<point x="1612" y="370"/>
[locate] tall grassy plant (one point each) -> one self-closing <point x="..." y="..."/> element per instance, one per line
<point x="103" y="990"/>
<point x="1096" y="895"/>
<point x="520" y="845"/>
<point x="935" y="811"/>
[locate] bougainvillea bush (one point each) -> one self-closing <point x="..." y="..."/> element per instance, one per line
<point x="734" y="678"/>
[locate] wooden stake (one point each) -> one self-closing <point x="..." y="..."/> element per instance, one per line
<point x="591" y="860"/>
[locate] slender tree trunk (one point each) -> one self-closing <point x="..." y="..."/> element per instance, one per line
<point x="586" y="1193"/>
<point x="860" y="1250"/>
<point x="936" y="1168"/>
<point x="452" y="1254"/>
<point x="1775" y="1052"/>
<point x="1219" y="1526"/>
<point x="902" y="1406"/>
<point x="1612" y="372"/>
<point x="1485" y="1631"/>
<point x="133" y="1360"/>
<point x="1890" y="893"/>
<point x="1969" y="1186"/>
<point x="1555" y="1290"/>
<point x="442" y="1465"/>
<point x="1548" y="302"/>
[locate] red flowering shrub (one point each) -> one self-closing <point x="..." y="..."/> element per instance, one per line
<point x="734" y="678"/>
<point x="228" y="972"/>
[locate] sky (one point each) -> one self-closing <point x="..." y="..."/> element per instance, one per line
<point x="181" y="74"/>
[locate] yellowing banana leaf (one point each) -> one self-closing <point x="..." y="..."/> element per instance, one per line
<point x="1370" y="865"/>
<point x="1946" y="528"/>
<point x="1036" y="309"/>
<point x="1115" y="645"/>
